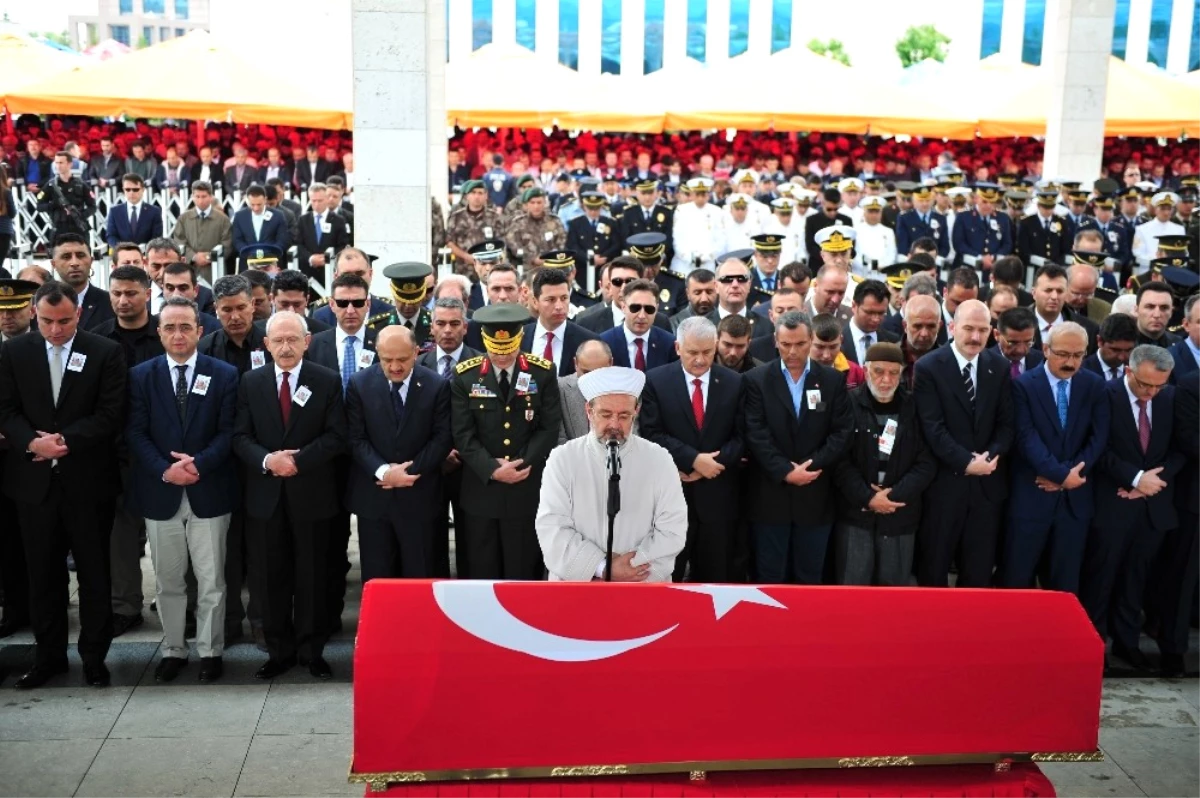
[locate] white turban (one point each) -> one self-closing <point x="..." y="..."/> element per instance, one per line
<point x="611" y="379"/>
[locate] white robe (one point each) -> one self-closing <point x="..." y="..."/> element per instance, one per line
<point x="572" y="517"/>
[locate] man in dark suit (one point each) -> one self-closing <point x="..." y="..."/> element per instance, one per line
<point x="255" y="223"/>
<point x="184" y="483"/>
<point x="638" y="343"/>
<point x="1115" y="340"/>
<point x="1135" y="500"/>
<point x="733" y="293"/>
<point x="1043" y="235"/>
<point x="1186" y="350"/>
<point x="1062" y="423"/>
<point x="1014" y="333"/>
<point x="1050" y="305"/>
<point x="964" y="397"/>
<point x="398" y="416"/>
<point x="1178" y="584"/>
<point x="73" y="262"/>
<point x="62" y="397"/>
<point x="1155" y="303"/>
<point x="179" y="279"/>
<point x="551" y="335"/>
<point x="319" y="232"/>
<point x="782" y="301"/>
<point x="690" y="409"/>
<point x="797" y="425"/>
<point x="239" y="175"/>
<point x="312" y="169"/>
<point x="106" y="166"/>
<point x="291" y="427"/>
<point x="275" y="168"/>
<point x="207" y="170"/>
<point x="133" y="220"/>
<point x="346" y="349"/>
<point x="449" y="331"/>
<point x="862" y="330"/>
<point x="831" y="200"/>
<point x="614" y="277"/>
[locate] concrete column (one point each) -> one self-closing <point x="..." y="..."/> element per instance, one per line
<point x="633" y="37"/>
<point x="1179" y="44"/>
<point x="504" y="22"/>
<point x="716" y="35"/>
<point x="546" y="36"/>
<point x="759" y="44"/>
<point x="1078" y="70"/>
<point x="674" y="32"/>
<point x="459" y="29"/>
<point x="1137" y="40"/>
<point x="591" y="21"/>
<point x="1012" y="30"/>
<point x="399" y="77"/>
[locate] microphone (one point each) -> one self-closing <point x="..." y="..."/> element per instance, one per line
<point x="614" y="461"/>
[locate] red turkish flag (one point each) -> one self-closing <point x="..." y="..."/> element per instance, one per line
<point x="459" y="676"/>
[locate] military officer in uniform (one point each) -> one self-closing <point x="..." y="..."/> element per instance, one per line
<point x="981" y="235"/>
<point x="534" y="231"/>
<point x="409" y="288"/>
<point x="647" y="215"/>
<point x="514" y="206"/>
<point x="505" y="415"/>
<point x="1146" y="234"/>
<point x="1043" y="235"/>
<point x="922" y="222"/>
<point x="472" y="221"/>
<point x="486" y="254"/>
<point x="651" y="251"/>
<point x="67" y="199"/>
<point x="1118" y="236"/>
<point x="595" y="232"/>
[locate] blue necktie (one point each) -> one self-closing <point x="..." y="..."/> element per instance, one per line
<point x="1062" y="403"/>
<point x="769" y="283"/>
<point x="317" y="219"/>
<point x="348" y="361"/>
<point x="397" y="402"/>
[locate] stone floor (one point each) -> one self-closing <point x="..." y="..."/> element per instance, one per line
<point x="241" y="737"/>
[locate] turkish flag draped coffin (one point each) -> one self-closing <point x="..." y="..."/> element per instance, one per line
<point x="461" y="676"/>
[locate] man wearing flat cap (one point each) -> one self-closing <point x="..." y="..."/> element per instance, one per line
<point x="409" y="284"/>
<point x="505" y="417"/>
<point x="534" y="231"/>
<point x="572" y="519"/>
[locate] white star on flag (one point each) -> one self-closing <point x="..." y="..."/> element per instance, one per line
<point x="726" y="597"/>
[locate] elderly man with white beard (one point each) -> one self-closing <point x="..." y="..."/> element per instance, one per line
<point x="882" y="477"/>
<point x="572" y="520"/>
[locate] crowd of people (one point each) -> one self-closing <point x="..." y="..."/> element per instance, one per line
<point x="834" y="414"/>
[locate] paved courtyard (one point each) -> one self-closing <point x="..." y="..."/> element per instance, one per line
<point x="242" y="737"/>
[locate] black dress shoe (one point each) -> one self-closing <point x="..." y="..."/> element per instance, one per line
<point x="1171" y="666"/>
<point x="95" y="674"/>
<point x="275" y="667"/>
<point x="211" y="669"/>
<point x="10" y="626"/>
<point x="39" y="675"/>
<point x="169" y="668"/>
<point x="1133" y="656"/>
<point x="318" y="668"/>
<point x="125" y="623"/>
<point x="260" y="638"/>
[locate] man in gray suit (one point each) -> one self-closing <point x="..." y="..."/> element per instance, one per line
<point x="591" y="355"/>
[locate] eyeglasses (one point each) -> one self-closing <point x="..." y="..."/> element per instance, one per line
<point x="733" y="278"/>
<point x="345" y="303"/>
<point x="1148" y="386"/>
<point x="1068" y="355"/>
<point x="649" y="310"/>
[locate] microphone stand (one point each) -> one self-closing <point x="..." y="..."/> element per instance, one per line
<point x="614" y="503"/>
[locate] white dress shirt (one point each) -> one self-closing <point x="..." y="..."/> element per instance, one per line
<point x="962" y="361"/>
<point x="556" y="344"/>
<point x="137" y="206"/>
<point x="1054" y="381"/>
<point x="722" y="312"/>
<point x="690" y="379"/>
<point x="1045" y="326"/>
<point x="189" y="372"/>
<point x="66" y="352"/>
<point x="856" y="337"/>
<point x="256" y="221"/>
<point x="632" y="347"/>
<point x="156" y="299"/>
<point x="617" y="314"/>
<point x="340" y="337"/>
<point x="455" y="358"/>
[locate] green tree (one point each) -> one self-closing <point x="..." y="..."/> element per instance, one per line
<point x="142" y="43"/>
<point x="920" y="42"/>
<point x="831" y="49"/>
<point x="57" y="38"/>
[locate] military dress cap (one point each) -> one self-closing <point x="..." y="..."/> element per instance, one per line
<point x="784" y="205"/>
<point x="1071" y="185"/>
<point x="589" y="184"/>
<point x="531" y="193"/>
<point x="1173" y="243"/>
<point x="850" y="184"/>
<point x="259" y="255"/>
<point x="1048" y="184"/>
<point x="649" y="184"/>
<point x="558" y="259"/>
<point x="1006" y="180"/>
<point x="739" y="201"/>
<point x="1047" y="199"/>
<point x="1184" y="281"/>
<point x="802" y="196"/>
<point x="1147" y="188"/>
<point x="580" y="174"/>
<point x="922" y="191"/>
<point x="408" y="281"/>
<point x="699" y="184"/>
<point x="1164" y="198"/>
<point x="610" y="176"/>
<point x="1105" y="201"/>
<point x="593" y="199"/>
<point x="680" y="189"/>
<point x="988" y="191"/>
<point x="1015" y="198"/>
<point x="612" y="380"/>
<point x="1131" y="192"/>
<point x="1090" y="258"/>
<point x="1106" y="185"/>
<point x="1075" y="195"/>
<point x="744" y="255"/>
<point x="16" y="294"/>
<point x="488" y="251"/>
<point x="501" y="326"/>
<point x="767" y="242"/>
<point x="905" y="188"/>
<point x="786" y="189"/>
<point x="522" y="180"/>
<point x="562" y="177"/>
<point x="964" y="192"/>
<point x="470" y="185"/>
<point x="836" y="238"/>
<point x="1190" y="181"/>
<point x="873" y="182"/>
<point x="745" y="176"/>
<point x="897" y="274"/>
<point x="647" y="246"/>
<point x="1158" y="264"/>
<point x="1188" y="194"/>
<point x="873" y="203"/>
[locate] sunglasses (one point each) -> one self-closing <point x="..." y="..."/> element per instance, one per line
<point x="345" y="303"/>
<point x="733" y="278"/>
<point x="649" y="310"/>
<point x="620" y="281"/>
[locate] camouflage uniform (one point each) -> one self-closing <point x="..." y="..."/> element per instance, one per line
<point x="526" y="236"/>
<point x="467" y="229"/>
<point x="437" y="230"/>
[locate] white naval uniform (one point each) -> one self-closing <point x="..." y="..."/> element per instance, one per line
<point x="1145" y="239"/>
<point x="699" y="232"/>
<point x="873" y="242"/>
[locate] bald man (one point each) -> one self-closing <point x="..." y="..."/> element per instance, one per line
<point x="964" y="397"/>
<point x="591" y="355"/>
<point x="922" y="320"/>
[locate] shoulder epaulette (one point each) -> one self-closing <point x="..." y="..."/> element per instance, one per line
<point x="319" y="303"/>
<point x="1177" y="328"/>
<point x="379" y="317"/>
<point x="539" y="361"/>
<point x="680" y="275"/>
<point x="466" y="365"/>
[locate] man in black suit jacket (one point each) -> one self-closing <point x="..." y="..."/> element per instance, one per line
<point x="594" y="232"/>
<point x="207" y="169"/>
<point x="73" y="262"/>
<point x="62" y="399"/>
<point x="691" y="409"/>
<point x="551" y="335"/>
<point x="1014" y="333"/>
<point x="312" y="169"/>
<point x="797" y="425"/>
<point x="275" y="168"/>
<point x="1115" y="341"/>
<point x="782" y="301"/>
<point x="1135" y="500"/>
<point x="647" y="216"/>
<point x="290" y="429"/>
<point x="1050" y="305"/>
<point x="604" y="316"/>
<point x="398" y="415"/>
<point x="969" y="428"/>
<point x="319" y="231"/>
<point x="272" y="224"/>
<point x="239" y="175"/>
<point x="346" y="349"/>
<point x="1183" y="563"/>
<point x="862" y="330"/>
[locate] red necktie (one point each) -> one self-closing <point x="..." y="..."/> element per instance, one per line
<point x="549" y="353"/>
<point x="698" y="403"/>
<point x="639" y="359"/>
<point x="1143" y="426"/>
<point x="285" y="399"/>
